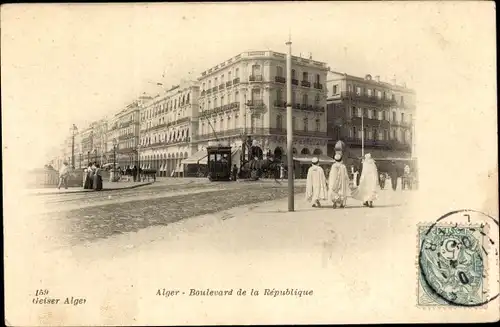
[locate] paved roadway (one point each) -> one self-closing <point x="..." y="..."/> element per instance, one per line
<point x="76" y="218"/>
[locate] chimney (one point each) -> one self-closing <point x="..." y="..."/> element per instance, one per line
<point x="393" y="80"/>
<point x="377" y="78"/>
<point x="310" y="55"/>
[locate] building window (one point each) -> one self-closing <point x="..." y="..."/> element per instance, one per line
<point x="279" y="122"/>
<point x="305" y="76"/>
<point x="386" y="135"/>
<point x="256" y="95"/>
<point x="349" y="88"/>
<point x="394" y="134"/>
<point x="229" y="76"/>
<point x="305" y="99"/>
<point x="317" y="79"/>
<point x="215" y="103"/>
<point x="279" y="95"/>
<point x="318" y="125"/>
<point x="306" y="123"/>
<point x="279" y="71"/>
<point x="358" y="90"/>
<point x="237" y="96"/>
<point x="294" y="123"/>
<point x="379" y="94"/>
<point x="222" y="100"/>
<point x="255" y="70"/>
<point x="360" y="112"/>
<point x="316" y="100"/>
<point x="370" y="92"/>
<point x="370" y="113"/>
<point x="294" y="74"/>
<point x="335" y="89"/>
<point x="365" y="112"/>
<point x="236" y="73"/>
<point x="394" y="116"/>
<point x="222" y="79"/>
<point x="353" y="112"/>
<point x="355" y="132"/>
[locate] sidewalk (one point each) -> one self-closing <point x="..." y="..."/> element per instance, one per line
<point x="106" y="186"/>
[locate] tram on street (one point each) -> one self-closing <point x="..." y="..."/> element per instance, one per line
<point x="219" y="163"/>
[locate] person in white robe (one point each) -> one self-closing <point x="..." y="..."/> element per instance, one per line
<point x="316" y="189"/>
<point x="338" y="183"/>
<point x="368" y="183"/>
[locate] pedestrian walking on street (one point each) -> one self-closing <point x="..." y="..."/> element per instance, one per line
<point x="382" y="180"/>
<point x="282" y="171"/>
<point x="338" y="183"/>
<point x="316" y="189"/>
<point x="63" y="176"/>
<point x="368" y="183"/>
<point x="394" y="175"/>
<point x="134" y="173"/>
<point x="88" y="178"/>
<point x="97" y="178"/>
<point x="234" y="172"/>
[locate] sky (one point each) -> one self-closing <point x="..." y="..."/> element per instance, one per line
<point x="65" y="64"/>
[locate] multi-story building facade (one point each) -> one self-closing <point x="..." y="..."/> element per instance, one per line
<point x="127" y="130"/>
<point x="245" y="96"/>
<point x="99" y="145"/>
<point x="112" y="135"/>
<point x="387" y="111"/>
<point x="167" y="125"/>
<point x="86" y="146"/>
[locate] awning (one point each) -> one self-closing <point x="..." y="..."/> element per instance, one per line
<point x="162" y="168"/>
<point x="196" y="158"/>
<point x="307" y="158"/>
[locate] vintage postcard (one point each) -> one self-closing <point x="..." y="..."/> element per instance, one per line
<point x="250" y="163"/>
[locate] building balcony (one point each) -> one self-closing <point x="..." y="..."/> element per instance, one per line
<point x="279" y="79"/>
<point x="370" y="122"/>
<point x="318" y="86"/>
<point x="219" y="134"/>
<point x="283" y="131"/>
<point x="126" y="136"/>
<point x="384" y="144"/>
<point x="305" y="83"/>
<point x="224" y="108"/>
<point x="214" y="89"/>
<point x="221" y="86"/>
<point x="178" y="140"/>
<point x="295" y="81"/>
<point x="242" y="132"/>
<point x="280" y="103"/>
<point x="229" y="83"/>
<point x="255" y="78"/>
<point x="208" y="91"/>
<point x="255" y="103"/>
<point x="203" y="93"/>
<point x="236" y="81"/>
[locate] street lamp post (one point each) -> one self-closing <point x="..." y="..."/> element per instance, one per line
<point x="115" y="145"/>
<point x="74" y="130"/>
<point x="88" y="157"/>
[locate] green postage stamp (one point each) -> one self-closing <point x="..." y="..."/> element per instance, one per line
<point x="453" y="263"/>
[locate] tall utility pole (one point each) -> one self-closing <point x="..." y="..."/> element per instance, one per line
<point x="362" y="134"/>
<point x="289" y="125"/>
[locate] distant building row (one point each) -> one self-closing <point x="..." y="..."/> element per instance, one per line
<point x="245" y="95"/>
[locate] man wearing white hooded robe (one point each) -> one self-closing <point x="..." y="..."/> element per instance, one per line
<point x="316" y="184"/>
<point x="368" y="183"/>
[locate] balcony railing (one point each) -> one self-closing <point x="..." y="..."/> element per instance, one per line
<point x="255" y="131"/>
<point x="255" y="78"/>
<point x="229" y="83"/>
<point x="255" y="103"/>
<point x="305" y="83"/>
<point x="221" y="86"/>
<point x="280" y="103"/>
<point x="367" y="98"/>
<point x="214" y="89"/>
<point x="220" y="109"/>
<point x="279" y="79"/>
<point x="209" y="91"/>
<point x="236" y="81"/>
<point x="126" y="136"/>
<point x="295" y="81"/>
<point x="183" y="139"/>
<point x="386" y="144"/>
<point x="318" y="86"/>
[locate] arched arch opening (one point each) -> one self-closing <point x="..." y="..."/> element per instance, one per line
<point x="278" y="153"/>
<point x="305" y="151"/>
<point x="317" y="152"/>
<point x="294" y="151"/>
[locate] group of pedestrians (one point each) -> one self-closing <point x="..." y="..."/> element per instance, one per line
<point x="337" y="189"/>
<point x="92" y="177"/>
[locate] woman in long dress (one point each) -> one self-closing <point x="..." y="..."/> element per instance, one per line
<point x="368" y="183"/>
<point x="88" y="179"/>
<point x="97" y="178"/>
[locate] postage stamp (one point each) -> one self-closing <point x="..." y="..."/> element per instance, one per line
<point x="454" y="260"/>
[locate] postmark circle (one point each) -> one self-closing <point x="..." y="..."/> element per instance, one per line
<point x="452" y="259"/>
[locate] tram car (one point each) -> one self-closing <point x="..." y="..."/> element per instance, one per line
<point x="219" y="163"/>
